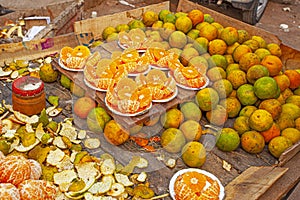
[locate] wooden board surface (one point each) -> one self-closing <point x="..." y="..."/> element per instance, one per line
<point x="97" y="25"/>
<point x="253" y="182"/>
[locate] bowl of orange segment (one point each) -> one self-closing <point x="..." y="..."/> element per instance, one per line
<point x="194" y="183"/>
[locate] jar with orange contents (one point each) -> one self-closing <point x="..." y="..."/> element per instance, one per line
<point x="28" y="95"/>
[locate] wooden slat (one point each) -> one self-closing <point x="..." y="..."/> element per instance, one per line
<point x="97" y="25"/>
<point x="289" y="154"/>
<point x="281" y="187"/>
<point x="253" y="182"/>
<point x="295" y="194"/>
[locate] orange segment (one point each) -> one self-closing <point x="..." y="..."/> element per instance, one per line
<point x="130" y="55"/>
<point x="156" y="76"/>
<point x="37" y="190"/>
<point x="81" y="51"/>
<point x="65" y="53"/>
<point x="189" y="72"/>
<point x="9" y="192"/>
<point x="195" y="181"/>
<point x="144" y="97"/>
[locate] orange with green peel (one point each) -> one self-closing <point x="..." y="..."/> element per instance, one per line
<point x="246" y="95"/>
<point x="292" y="134"/>
<point x="162" y="14"/>
<point x="266" y="88"/>
<point x="187" y="54"/>
<point x="278" y="145"/>
<point x="216" y="73"/>
<point x="208" y="18"/>
<point x="157" y="25"/>
<point x="177" y="39"/>
<point x="122" y="27"/>
<point x="297" y="123"/>
<point x="262" y="52"/>
<point x="107" y="31"/>
<point x="83" y="106"/>
<point x="239" y="51"/>
<point x="223" y="87"/>
<point x="218" y="61"/>
<point x="114" y="133"/>
<point x="172" y="140"/>
<point x="149" y="18"/>
<point x="272" y="132"/>
<point x="285" y="121"/>
<point x="229" y="58"/>
<point x="171" y="18"/>
<point x="232" y="106"/>
<point x="229" y="35"/>
<point x="200" y="63"/>
<point x="135" y="23"/>
<point x="230" y="49"/>
<point x="166" y="30"/>
<point x="97" y="118"/>
<point x="255" y="72"/>
<point x="248" y="60"/>
<point x="247" y="111"/>
<point x="237" y="78"/>
<point x="260" y="120"/>
<point x="241" y="124"/>
<point x="294" y="99"/>
<point x="291" y="109"/>
<point x="232" y="66"/>
<point x="273" y="106"/>
<point x="261" y="41"/>
<point x="172" y="118"/>
<point x="243" y="36"/>
<point x="193" y="154"/>
<point x="191" y="130"/>
<point x="217" y="46"/>
<point x="191" y="111"/>
<point x="217" y="116"/>
<point x="274" y="49"/>
<point x="273" y="64"/>
<point x="207" y="99"/>
<point x="252" y="44"/>
<point x="201" y="44"/>
<point x="193" y="34"/>
<point x="228" y="140"/>
<point x="286" y="94"/>
<point x="208" y="31"/>
<point x="184" y="24"/>
<point x="252" y="142"/>
<point x="219" y="27"/>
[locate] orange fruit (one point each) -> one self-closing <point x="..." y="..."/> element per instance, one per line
<point x="255" y="72"/>
<point x="130" y="55"/>
<point x="261" y="41"/>
<point x="237" y="78"/>
<point x="83" y="106"/>
<point x="37" y="190"/>
<point x="292" y="134"/>
<point x="228" y="140"/>
<point x="14" y="169"/>
<point x="189" y="72"/>
<point x="144" y="97"/>
<point x="232" y="106"/>
<point x="272" y="132"/>
<point x="217" y="46"/>
<point x="273" y="63"/>
<point x="184" y="24"/>
<point x="230" y="35"/>
<point x="9" y="192"/>
<point x="218" y="61"/>
<point x="193" y="154"/>
<point x="291" y="109"/>
<point x="217" y="116"/>
<point x="96" y="119"/>
<point x="196" y="16"/>
<point x="172" y="140"/>
<point x="232" y="66"/>
<point x="246" y="95"/>
<point x="36" y="169"/>
<point x="243" y="36"/>
<point x="81" y="51"/>
<point x="207" y="99"/>
<point x="177" y="39"/>
<point x="297" y="123"/>
<point x="239" y="51"/>
<point x="247" y="60"/>
<point x="149" y="17"/>
<point x="191" y="130"/>
<point x="252" y="142"/>
<point x="208" y="31"/>
<point x="172" y="118"/>
<point x="114" y="133"/>
<point x="200" y="63"/>
<point x="241" y="124"/>
<point x="273" y="106"/>
<point x="201" y="44"/>
<point x="187" y="54"/>
<point x="294" y="77"/>
<point x="191" y="111"/>
<point x="223" y="87"/>
<point x="216" y="73"/>
<point x="260" y="120"/>
<point x="274" y="49"/>
<point x="247" y="111"/>
<point x="230" y="49"/>
<point x="262" y="52"/>
<point x="285" y="121"/>
<point x="278" y="145"/>
<point x="266" y="88"/>
<point x="294" y="99"/>
<point x="252" y="44"/>
<point x="65" y="53"/>
<point x="194" y="180"/>
<point x="282" y="81"/>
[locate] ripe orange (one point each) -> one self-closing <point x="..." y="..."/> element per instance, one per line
<point x="172" y="140"/>
<point x="294" y="77"/>
<point x="260" y="120"/>
<point x="278" y="145"/>
<point x="273" y="63"/>
<point x="193" y="154"/>
<point x="83" y="106"/>
<point x="272" y="132"/>
<point x="196" y="16"/>
<point x="228" y="140"/>
<point x="252" y="142"/>
<point x="282" y="81"/>
<point x="114" y="133"/>
<point x="229" y="35"/>
<point x="273" y="106"/>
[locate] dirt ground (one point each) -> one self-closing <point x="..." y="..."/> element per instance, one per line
<point x="273" y="17"/>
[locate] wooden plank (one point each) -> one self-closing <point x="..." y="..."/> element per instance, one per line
<point x="289" y="154"/>
<point x="295" y="194"/>
<point x="97" y="25"/>
<point x="283" y="185"/>
<point x="254" y="180"/>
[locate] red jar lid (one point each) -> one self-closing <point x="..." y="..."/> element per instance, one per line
<point x="27" y="86"/>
